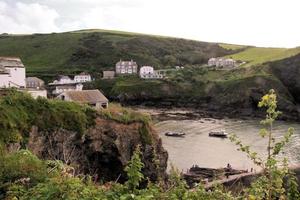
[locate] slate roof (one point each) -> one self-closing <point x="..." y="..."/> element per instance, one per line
<point x="11" y="62"/>
<point x="108" y="73"/>
<point x="86" y="96"/>
<point x="3" y="70"/>
<point x="34" y="79"/>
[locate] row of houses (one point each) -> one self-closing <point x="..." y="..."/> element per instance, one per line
<point x="131" y="68"/>
<point x="80" y="78"/>
<point x="226" y="63"/>
<point x="13" y="75"/>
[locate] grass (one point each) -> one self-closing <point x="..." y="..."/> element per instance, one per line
<point x="97" y="50"/>
<point x="232" y="46"/>
<point x="40" y="52"/>
<point x="20" y="112"/>
<point x="257" y="55"/>
<point x="126" y="116"/>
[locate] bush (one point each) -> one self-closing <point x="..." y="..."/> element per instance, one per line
<point x="19" y="112"/>
<point x="23" y="164"/>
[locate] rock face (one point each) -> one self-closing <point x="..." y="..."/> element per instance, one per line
<point x="288" y="71"/>
<point x="103" y="151"/>
<point x="237" y="98"/>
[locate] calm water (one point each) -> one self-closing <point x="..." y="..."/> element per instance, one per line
<point x="198" y="148"/>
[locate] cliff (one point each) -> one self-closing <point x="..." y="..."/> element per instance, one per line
<point x="103" y="151"/>
<point x="97" y="143"/>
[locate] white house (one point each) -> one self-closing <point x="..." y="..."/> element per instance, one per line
<point x="91" y="97"/>
<point x="65" y="80"/>
<point x="82" y="77"/>
<point x="148" y="72"/>
<point x="222" y="62"/>
<point x="64" y="88"/>
<point x="62" y="80"/>
<point x="144" y="70"/>
<point x="12" y="73"/>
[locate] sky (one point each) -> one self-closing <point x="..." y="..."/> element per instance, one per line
<point x="269" y="23"/>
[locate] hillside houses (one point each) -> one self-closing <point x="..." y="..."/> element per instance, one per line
<point x="126" y="67"/>
<point x="64" y="88"/>
<point x="225" y="63"/>
<point x="148" y="72"/>
<point x="93" y="98"/>
<point x="82" y="78"/>
<point x="13" y="75"/>
<point x="65" y="83"/>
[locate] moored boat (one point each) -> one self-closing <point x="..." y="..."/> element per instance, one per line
<point x="175" y="134"/>
<point x="221" y="134"/>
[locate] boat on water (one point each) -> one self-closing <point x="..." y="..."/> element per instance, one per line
<point x="221" y="134"/>
<point x="175" y="134"/>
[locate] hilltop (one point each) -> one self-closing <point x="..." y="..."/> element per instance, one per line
<point x="97" y="50"/>
<point x="231" y="91"/>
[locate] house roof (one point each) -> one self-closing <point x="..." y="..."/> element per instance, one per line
<point x="11" y="62"/>
<point x="34" y="79"/>
<point x="66" y="87"/>
<point x="108" y="73"/>
<point x="3" y="70"/>
<point x="64" y="77"/>
<point x="126" y="63"/>
<point x="83" y="74"/>
<point x="86" y="96"/>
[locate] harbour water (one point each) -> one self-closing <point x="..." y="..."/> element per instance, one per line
<point x="198" y="148"/>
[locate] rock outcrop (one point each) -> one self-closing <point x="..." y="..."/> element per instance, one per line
<point x="104" y="150"/>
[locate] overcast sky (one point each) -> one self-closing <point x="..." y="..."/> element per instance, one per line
<point x="253" y="22"/>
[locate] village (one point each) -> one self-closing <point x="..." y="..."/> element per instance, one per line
<point x="13" y="75"/>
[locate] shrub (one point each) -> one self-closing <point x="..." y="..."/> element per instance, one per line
<point x="22" y="166"/>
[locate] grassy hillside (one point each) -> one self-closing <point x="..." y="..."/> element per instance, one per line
<point x="257" y="55"/>
<point x="96" y="50"/>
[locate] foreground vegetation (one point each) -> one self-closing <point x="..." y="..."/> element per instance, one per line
<point x="24" y="176"/>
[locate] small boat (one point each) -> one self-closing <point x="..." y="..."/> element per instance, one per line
<point x="175" y="134"/>
<point x="221" y="134"/>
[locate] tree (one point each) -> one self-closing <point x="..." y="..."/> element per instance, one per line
<point x="134" y="170"/>
<point x="271" y="184"/>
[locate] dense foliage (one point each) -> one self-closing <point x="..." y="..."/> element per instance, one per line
<point x="19" y="112"/>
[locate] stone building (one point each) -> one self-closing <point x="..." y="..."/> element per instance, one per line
<point x="126" y="67"/>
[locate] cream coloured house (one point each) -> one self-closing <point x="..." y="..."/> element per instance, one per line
<point x="126" y="67"/>
<point x="222" y="62"/>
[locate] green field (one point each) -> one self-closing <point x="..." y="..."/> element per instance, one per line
<point x="258" y="55"/>
<point x="232" y="46"/>
<point x="97" y="50"/>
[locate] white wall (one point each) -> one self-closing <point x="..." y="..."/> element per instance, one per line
<point x="18" y="76"/>
<point x="82" y="78"/>
<point x="38" y="93"/>
<point x="146" y="70"/>
<point x="4" y="80"/>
